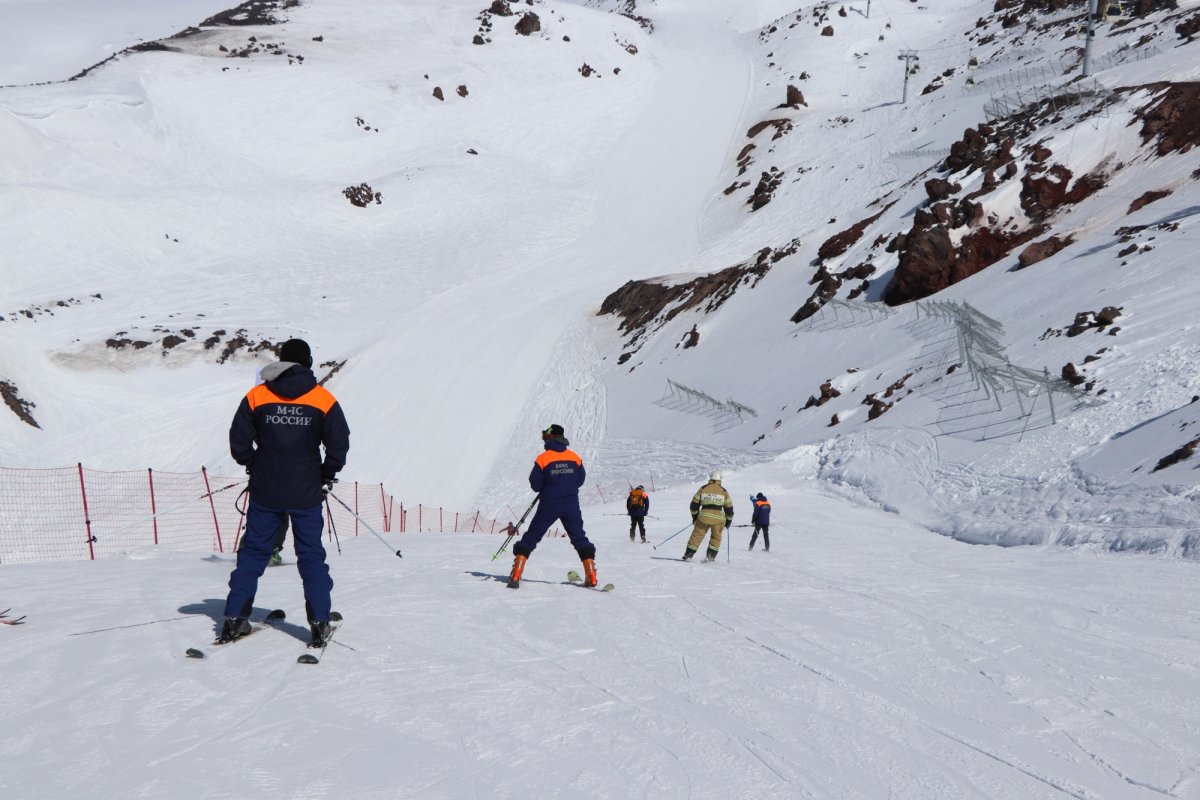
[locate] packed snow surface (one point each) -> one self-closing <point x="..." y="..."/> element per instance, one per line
<point x="860" y="658"/>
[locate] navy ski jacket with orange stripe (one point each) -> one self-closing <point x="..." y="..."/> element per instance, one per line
<point x="558" y="472"/>
<point x="278" y="432"/>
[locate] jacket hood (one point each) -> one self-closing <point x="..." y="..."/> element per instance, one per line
<point x="289" y="380"/>
<point x="557" y="444"/>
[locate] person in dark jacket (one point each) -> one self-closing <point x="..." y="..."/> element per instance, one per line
<point x="762" y="521"/>
<point x="277" y="435"/>
<point x="556" y="476"/>
<point x="637" y="505"/>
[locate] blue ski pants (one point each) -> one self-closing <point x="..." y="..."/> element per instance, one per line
<point x="565" y="511"/>
<point x="257" y="544"/>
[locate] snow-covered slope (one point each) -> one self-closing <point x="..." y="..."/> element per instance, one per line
<point x="175" y="211"/>
<point x="859" y="658"/>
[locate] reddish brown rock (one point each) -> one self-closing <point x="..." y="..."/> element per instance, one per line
<point x="1147" y="198"/>
<point x="940" y="188"/>
<point x="1040" y="251"/>
<point x="1173" y="119"/>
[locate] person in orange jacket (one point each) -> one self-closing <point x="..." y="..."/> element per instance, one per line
<point x="556" y="476"/>
<point x="637" y="505"/>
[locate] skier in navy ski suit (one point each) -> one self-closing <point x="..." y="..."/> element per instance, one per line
<point x="557" y="475"/>
<point x="761" y="520"/>
<point x="277" y="435"/>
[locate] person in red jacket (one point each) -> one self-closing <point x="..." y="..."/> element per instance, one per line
<point x="556" y="476"/>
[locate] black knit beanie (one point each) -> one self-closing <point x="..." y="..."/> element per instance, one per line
<point x="296" y="351"/>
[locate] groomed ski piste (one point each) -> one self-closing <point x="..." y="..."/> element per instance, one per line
<point x="860" y="658"/>
<point x="883" y="648"/>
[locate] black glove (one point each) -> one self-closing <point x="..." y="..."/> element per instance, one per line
<point x="327" y="486"/>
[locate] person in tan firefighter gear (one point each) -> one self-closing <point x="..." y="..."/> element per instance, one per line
<point x="712" y="512"/>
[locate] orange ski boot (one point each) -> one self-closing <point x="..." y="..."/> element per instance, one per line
<point x="514" y="578"/>
<point x="589" y="572"/>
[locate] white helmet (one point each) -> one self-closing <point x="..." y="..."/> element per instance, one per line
<point x="715" y="475"/>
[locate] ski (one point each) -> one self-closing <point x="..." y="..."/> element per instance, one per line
<point x="277" y="615"/>
<point x="18" y="621"/>
<point x="574" y="579"/>
<point x="309" y="658"/>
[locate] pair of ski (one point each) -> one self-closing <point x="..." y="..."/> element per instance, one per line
<point x="4" y="619"/>
<point x="272" y="620"/>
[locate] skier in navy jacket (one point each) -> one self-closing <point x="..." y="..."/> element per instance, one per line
<point x="277" y="435"/>
<point x="762" y="521"/>
<point x="637" y="506"/>
<point x="557" y="475"/>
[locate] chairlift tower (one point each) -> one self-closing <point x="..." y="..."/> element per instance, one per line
<point x="1091" y="33"/>
<point x="909" y="57"/>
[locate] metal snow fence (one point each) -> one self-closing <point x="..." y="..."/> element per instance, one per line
<point x="726" y="414"/>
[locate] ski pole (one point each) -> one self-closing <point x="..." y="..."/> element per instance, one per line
<point x="513" y="530"/>
<point x="673" y="535"/>
<point x="364" y="522"/>
<point x="333" y="528"/>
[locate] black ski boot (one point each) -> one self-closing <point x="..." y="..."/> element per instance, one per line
<point x="320" y="633"/>
<point x="687" y="554"/>
<point x="234" y="628"/>
<point x="711" y="556"/>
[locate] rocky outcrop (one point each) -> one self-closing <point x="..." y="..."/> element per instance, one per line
<point x="842" y="241"/>
<point x="19" y="406"/>
<point x="1040" y="251"/>
<point x="795" y="98"/>
<point x="825" y="393"/>
<point x="1093" y="320"/>
<point x="1172" y="121"/>
<point x="1182" y="454"/>
<point x="646" y="305"/>
<point x="528" y="24"/>
<point x="1146" y="198"/>
<point x="363" y="195"/>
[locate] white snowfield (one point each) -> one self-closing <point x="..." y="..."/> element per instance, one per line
<point x="860" y="658"/>
<point x="876" y="653"/>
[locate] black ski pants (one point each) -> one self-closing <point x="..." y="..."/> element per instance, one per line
<point x="766" y="536"/>
<point x="637" y="523"/>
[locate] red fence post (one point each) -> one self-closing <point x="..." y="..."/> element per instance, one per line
<point x="601" y="493"/>
<point x="475" y="522"/>
<point x="456" y="522"/>
<point x="383" y="501"/>
<point x="420" y="518"/>
<point x="86" y="517"/>
<point x="212" y="504"/>
<point x="153" y="510"/>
